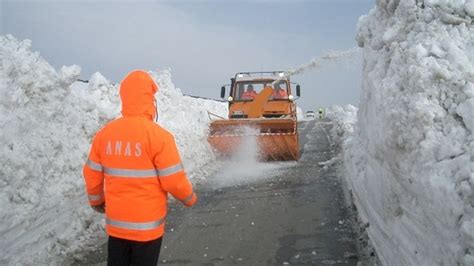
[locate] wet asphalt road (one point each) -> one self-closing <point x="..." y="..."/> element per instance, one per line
<point x="297" y="217"/>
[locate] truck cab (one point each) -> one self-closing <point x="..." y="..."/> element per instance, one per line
<point x="247" y="86"/>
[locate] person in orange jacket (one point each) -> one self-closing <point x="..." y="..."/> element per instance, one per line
<point x="132" y="166"/>
<point x="279" y="93"/>
<point x="249" y="94"/>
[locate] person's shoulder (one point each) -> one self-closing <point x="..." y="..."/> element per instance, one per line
<point x="159" y="130"/>
<point x="110" y="125"/>
<point x="105" y="127"/>
<point x="102" y="130"/>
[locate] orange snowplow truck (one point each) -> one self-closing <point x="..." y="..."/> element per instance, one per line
<point x="261" y="105"/>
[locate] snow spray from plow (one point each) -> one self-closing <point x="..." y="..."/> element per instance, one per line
<point x="244" y="166"/>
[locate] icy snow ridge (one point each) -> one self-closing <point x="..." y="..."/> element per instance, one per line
<point x="410" y="161"/>
<point x="46" y="123"/>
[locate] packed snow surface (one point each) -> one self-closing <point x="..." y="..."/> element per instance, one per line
<point x="47" y="120"/>
<point x="410" y="160"/>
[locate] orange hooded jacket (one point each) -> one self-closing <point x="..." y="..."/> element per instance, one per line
<point x="133" y="164"/>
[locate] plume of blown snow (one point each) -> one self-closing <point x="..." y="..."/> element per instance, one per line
<point x="327" y="57"/>
<point x="331" y="56"/>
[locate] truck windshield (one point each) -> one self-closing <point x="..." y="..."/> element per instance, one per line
<point x="247" y="91"/>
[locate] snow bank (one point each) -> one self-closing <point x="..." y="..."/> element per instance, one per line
<point x="47" y="121"/>
<point x="410" y="161"/>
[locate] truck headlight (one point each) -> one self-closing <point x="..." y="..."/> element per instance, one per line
<point x="291" y="98"/>
<point x="230" y="99"/>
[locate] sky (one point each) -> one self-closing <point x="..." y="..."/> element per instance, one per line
<point x="203" y="43"/>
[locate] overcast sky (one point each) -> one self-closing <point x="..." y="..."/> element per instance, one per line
<point x="203" y="42"/>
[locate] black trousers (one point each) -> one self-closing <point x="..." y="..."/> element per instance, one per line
<point x="129" y="252"/>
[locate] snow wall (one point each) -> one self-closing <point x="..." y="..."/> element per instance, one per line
<point x="47" y="120"/>
<point x="410" y="160"/>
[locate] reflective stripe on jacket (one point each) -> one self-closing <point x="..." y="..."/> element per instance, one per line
<point x="133" y="164"/>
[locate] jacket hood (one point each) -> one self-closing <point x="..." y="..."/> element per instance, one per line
<point x="137" y="94"/>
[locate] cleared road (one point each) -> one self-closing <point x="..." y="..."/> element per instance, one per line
<point x="295" y="217"/>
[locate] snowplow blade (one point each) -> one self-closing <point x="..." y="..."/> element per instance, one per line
<point x="277" y="139"/>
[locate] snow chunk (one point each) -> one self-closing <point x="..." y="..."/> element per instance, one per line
<point x="466" y="111"/>
<point x="469" y="8"/>
<point x="344" y="119"/>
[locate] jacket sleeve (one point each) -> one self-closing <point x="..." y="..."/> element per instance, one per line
<point x="93" y="174"/>
<point x="171" y="173"/>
